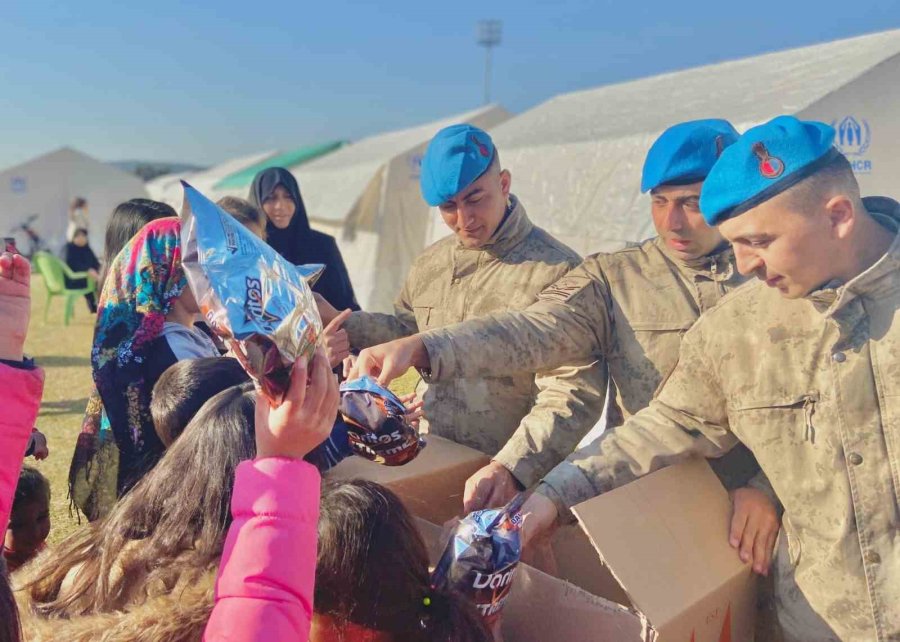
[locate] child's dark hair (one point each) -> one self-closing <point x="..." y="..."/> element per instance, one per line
<point x="32" y="485"/>
<point x="372" y="570"/>
<point x="9" y="613"/>
<point x="126" y="221"/>
<point x="244" y="211"/>
<point x="183" y="389"/>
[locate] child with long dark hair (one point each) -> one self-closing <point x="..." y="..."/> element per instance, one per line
<point x="372" y="578"/>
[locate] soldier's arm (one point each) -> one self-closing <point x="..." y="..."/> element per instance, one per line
<point x="366" y="329"/>
<point x="568" y="404"/>
<point x="569" y="323"/>
<point x="688" y="417"/>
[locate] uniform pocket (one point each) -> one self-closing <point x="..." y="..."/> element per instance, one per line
<point x="427" y="310"/>
<point x="781" y="413"/>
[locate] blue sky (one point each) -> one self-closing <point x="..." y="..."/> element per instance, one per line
<point x="155" y="80"/>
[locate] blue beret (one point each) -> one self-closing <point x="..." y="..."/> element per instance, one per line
<point x="685" y="152"/>
<point x="765" y="161"/>
<point x="456" y="157"/>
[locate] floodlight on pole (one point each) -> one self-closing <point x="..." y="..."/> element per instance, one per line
<point x="488" y="36"/>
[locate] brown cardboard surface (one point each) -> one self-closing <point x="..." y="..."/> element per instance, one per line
<point x="542" y="608"/>
<point x="578" y="562"/>
<point x="665" y="537"/>
<point x="431" y="485"/>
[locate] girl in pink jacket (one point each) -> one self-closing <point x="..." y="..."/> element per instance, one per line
<point x="264" y="590"/>
<point x="22" y="385"/>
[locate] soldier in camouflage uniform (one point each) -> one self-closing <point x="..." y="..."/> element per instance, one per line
<point x="803" y="367"/>
<point x="496" y="260"/>
<point x="630" y="310"/>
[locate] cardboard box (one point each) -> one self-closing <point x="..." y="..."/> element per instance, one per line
<point x="431" y="485"/>
<point x="648" y="562"/>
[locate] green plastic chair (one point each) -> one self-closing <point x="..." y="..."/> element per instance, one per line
<point x="54" y="271"/>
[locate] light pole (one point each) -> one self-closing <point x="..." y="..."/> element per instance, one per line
<point x="488" y="36"/>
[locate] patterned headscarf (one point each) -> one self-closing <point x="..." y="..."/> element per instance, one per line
<point x="141" y="284"/>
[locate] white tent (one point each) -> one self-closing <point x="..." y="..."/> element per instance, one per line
<point x="367" y="195"/>
<point x="167" y="188"/>
<point x="576" y="159"/>
<point x="47" y="184"/>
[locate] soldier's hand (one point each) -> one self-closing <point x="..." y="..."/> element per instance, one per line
<point x="490" y="487"/>
<point x="335" y="340"/>
<point x="390" y="360"/>
<point x="327" y="312"/>
<point x="754" y="528"/>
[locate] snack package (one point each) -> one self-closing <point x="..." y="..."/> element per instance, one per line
<point x="377" y="428"/>
<point x="250" y="296"/>
<point x="481" y="557"/>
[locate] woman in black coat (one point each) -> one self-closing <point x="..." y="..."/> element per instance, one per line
<point x="276" y="193"/>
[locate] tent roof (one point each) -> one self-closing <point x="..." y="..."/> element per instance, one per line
<point x="67" y="156"/>
<point x="293" y="158"/>
<point x="332" y="184"/>
<point x="744" y="91"/>
<point x="576" y="159"/>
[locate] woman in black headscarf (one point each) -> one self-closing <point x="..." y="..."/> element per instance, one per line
<point x="276" y="193"/>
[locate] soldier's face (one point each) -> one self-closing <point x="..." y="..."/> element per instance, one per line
<point x="791" y="250"/>
<point x="475" y="213"/>
<point x="677" y="218"/>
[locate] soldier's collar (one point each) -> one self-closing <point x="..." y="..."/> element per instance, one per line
<point x="515" y="227"/>
<point x="879" y="279"/>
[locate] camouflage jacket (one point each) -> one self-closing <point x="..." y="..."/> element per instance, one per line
<point x="528" y="422"/>
<point x="812" y="387"/>
<point x="629" y="310"/>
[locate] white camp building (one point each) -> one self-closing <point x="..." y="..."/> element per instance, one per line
<point x="44" y="186"/>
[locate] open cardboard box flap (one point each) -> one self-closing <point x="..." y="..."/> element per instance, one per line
<point x="665" y="539"/>
<point x="431" y="485"/>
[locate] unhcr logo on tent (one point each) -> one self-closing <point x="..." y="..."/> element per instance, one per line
<point x="415" y="165"/>
<point x="853" y="137"/>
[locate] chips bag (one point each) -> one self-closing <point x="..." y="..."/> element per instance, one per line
<point x="249" y="295"/>
<point x="377" y="428"/>
<point x="481" y="557"/>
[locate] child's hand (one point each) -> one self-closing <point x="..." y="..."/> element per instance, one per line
<point x="305" y="417"/>
<point x="15" y="304"/>
<point x="335" y="340"/>
<point x="414" y="410"/>
<point x="40" y="449"/>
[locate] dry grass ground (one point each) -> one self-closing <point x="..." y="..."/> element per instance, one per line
<point x="64" y="353"/>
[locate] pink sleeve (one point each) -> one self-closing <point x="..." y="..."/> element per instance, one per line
<point x="22" y="391"/>
<point x="265" y="586"/>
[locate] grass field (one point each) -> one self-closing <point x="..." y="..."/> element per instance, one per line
<point x="64" y="353"/>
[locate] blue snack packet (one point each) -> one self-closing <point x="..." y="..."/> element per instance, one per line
<point x="377" y="428"/>
<point x="249" y="295"/>
<point x="481" y="557"/>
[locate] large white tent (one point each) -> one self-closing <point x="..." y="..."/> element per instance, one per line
<point x="167" y="188"/>
<point x="47" y="184"/>
<point x="576" y="159"/>
<point x="367" y="196"/>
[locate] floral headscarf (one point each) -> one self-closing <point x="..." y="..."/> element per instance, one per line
<point x="141" y="284"/>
